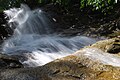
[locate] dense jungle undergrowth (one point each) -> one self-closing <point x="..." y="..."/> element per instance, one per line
<point x="94" y="18"/>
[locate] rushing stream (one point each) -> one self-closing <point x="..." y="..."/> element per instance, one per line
<point x="33" y="41"/>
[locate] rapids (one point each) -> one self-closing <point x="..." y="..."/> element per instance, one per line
<point x="34" y="41"/>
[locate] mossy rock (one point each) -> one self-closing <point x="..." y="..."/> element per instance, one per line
<point x="74" y="67"/>
<point x="82" y="65"/>
<point x="109" y="45"/>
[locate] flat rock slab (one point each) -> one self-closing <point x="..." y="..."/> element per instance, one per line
<point x="90" y="63"/>
<point x="79" y="66"/>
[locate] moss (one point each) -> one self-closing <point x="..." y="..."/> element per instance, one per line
<point x="110" y="45"/>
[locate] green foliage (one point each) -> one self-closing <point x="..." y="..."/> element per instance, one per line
<point x="102" y="5"/>
<point x="6" y="4"/>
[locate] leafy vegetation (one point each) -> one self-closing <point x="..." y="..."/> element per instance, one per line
<point x="5" y="4"/>
<point x="102" y="5"/>
<point x="68" y="6"/>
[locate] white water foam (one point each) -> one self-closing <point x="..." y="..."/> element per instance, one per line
<point x="32" y="39"/>
<point x="102" y="57"/>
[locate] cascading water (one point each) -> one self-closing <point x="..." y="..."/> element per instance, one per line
<point x="32" y="41"/>
<point x="26" y="21"/>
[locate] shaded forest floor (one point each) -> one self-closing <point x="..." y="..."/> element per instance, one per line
<point x="86" y="22"/>
<point x="76" y="22"/>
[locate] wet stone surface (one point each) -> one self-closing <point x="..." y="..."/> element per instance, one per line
<point x="9" y="62"/>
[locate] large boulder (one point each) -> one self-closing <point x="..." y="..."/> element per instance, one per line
<point x="90" y="63"/>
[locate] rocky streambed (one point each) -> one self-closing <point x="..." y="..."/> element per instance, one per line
<point x="99" y="61"/>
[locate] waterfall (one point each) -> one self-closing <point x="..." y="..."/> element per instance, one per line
<point x="26" y="21"/>
<point x="32" y="41"/>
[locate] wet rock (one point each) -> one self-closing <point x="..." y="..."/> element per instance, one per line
<point x="81" y="65"/>
<point x="90" y="63"/>
<point x="5" y="30"/>
<point x="9" y="62"/>
<point x="110" y="45"/>
<point x="115" y="34"/>
<point x="114" y="48"/>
